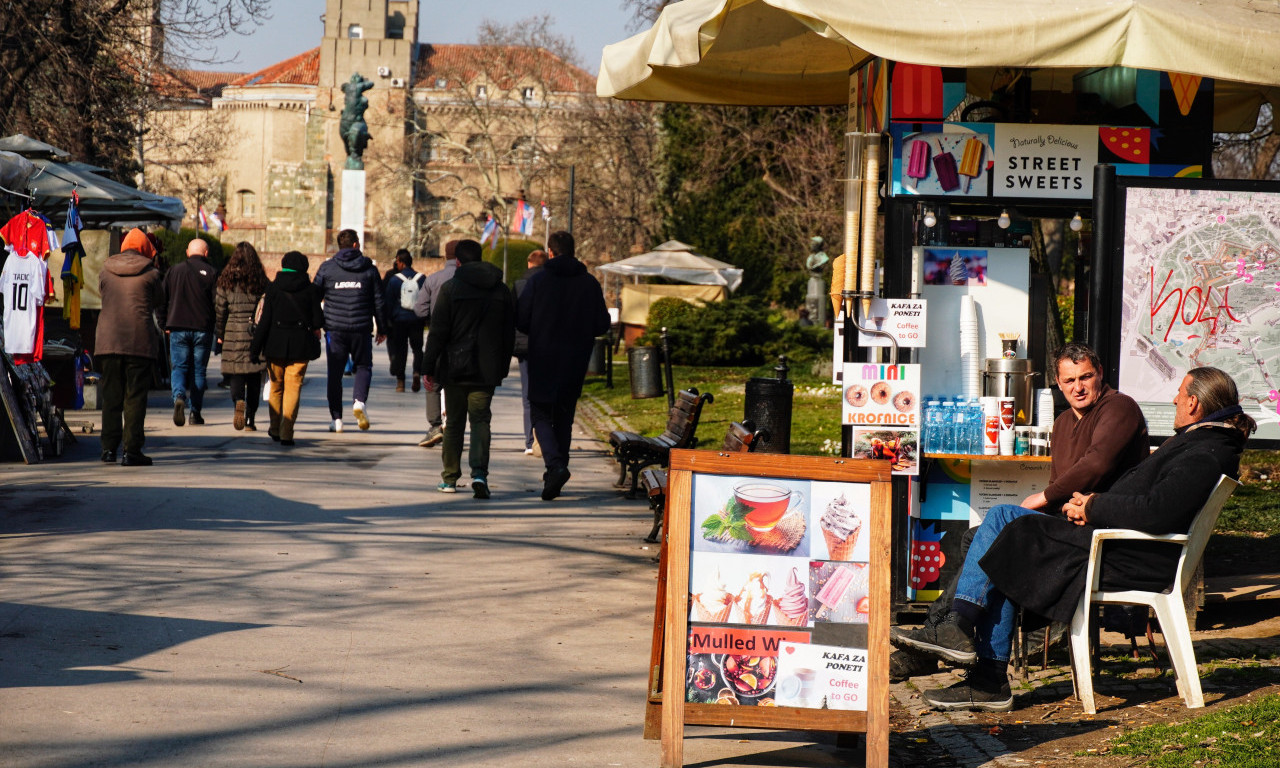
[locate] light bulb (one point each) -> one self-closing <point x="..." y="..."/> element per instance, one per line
<point x="1077" y="223"/>
<point x="1003" y="222"/>
<point x="929" y="219"/>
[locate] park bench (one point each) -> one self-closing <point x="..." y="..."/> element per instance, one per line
<point x="635" y="452"/>
<point x="741" y="438"/>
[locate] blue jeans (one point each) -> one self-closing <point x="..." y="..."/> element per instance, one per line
<point x="995" y="629"/>
<point x="188" y="361"/>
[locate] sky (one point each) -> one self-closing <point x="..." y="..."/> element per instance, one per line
<point x="296" y="27"/>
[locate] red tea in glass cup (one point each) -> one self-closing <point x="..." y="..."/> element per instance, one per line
<point x="768" y="503"/>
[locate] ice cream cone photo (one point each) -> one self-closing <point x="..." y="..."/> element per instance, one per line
<point x="838" y="548"/>
<point x="841" y="522"/>
<point x="754" y="600"/>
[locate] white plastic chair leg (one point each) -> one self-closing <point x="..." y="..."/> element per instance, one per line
<point x="1172" y="616"/>
<point x="1081" y="671"/>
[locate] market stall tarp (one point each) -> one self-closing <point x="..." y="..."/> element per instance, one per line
<point x="800" y="52"/>
<point x="15" y="171"/>
<point x="636" y="299"/>
<point x="676" y="261"/>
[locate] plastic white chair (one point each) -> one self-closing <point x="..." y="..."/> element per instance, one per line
<point x="1169" y="605"/>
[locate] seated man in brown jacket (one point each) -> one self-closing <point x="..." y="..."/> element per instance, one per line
<point x="1100" y="437"/>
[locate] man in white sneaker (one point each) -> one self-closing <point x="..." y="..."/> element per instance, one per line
<point x="351" y="289"/>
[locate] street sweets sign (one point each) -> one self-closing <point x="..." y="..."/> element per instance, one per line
<point x="1044" y="161"/>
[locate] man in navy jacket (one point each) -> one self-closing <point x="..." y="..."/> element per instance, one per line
<point x="562" y="310"/>
<point x="351" y="288"/>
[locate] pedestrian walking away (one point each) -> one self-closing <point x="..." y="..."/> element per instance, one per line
<point x="127" y="342"/>
<point x="562" y="310"/>
<point x="189" y="319"/>
<point x="532" y="267"/>
<point x="351" y="290"/>
<point x="288" y="336"/>
<point x="422" y="308"/>
<point x="404" y="338"/>
<point x="469" y="351"/>
<point x="240" y="288"/>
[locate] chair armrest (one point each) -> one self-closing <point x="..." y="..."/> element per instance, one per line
<point x="1102" y="534"/>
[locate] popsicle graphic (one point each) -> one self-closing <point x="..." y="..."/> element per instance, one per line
<point x="918" y="166"/>
<point x="945" y="165"/>
<point x="971" y="161"/>
<point x="834" y="590"/>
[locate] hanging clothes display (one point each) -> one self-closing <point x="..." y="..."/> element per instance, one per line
<point x="72" y="269"/>
<point x="25" y="283"/>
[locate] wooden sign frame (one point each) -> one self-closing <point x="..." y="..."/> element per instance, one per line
<point x="672" y="617"/>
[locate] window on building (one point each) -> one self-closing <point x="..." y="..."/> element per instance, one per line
<point x="526" y="93"/>
<point x="442" y="82"/>
<point x="482" y="91"/>
<point x="248" y="203"/>
<point x="355" y="31"/>
<point x="480" y="148"/>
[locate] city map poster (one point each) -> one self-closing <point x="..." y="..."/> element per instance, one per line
<point x="1201" y="287"/>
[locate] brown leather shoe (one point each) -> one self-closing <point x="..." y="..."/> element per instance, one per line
<point x="400" y="385"/>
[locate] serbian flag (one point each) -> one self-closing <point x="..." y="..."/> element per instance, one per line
<point x="490" y="232"/>
<point x="524" y="218"/>
<point x="517" y="218"/>
<point x="215" y="222"/>
<point x="546" y="212"/>
<point x="204" y="220"/>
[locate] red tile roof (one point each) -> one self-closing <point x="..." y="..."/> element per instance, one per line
<point x="503" y="65"/>
<point x="303" y="69"/>
<point x="191" y="84"/>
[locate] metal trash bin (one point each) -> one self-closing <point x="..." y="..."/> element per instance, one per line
<point x="644" y="367"/>
<point x="768" y="406"/>
<point x="599" y="356"/>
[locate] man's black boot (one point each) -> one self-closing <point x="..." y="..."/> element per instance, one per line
<point x="985" y="689"/>
<point x="948" y="639"/>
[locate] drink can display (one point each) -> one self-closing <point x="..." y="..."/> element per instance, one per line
<point x="1022" y="441"/>
<point x="990" y="426"/>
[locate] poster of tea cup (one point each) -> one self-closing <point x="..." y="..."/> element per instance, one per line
<point x="749" y="589"/>
<point x="839" y="512"/>
<point x="767" y="516"/>
<point x="821" y="677"/>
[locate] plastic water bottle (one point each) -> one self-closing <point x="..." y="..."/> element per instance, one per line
<point x="975" y="427"/>
<point x="947" y="427"/>
<point x="960" y="426"/>
<point x="929" y="426"/>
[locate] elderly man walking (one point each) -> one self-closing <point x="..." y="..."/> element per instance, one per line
<point x="126" y="344"/>
<point x="189" y="288"/>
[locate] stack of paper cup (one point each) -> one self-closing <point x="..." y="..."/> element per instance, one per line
<point x="1007" y="421"/>
<point x="1044" y="408"/>
<point x="990" y="425"/>
<point x="970" y="349"/>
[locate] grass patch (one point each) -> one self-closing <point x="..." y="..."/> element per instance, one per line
<point x="815" y="409"/>
<point x="1247" y="736"/>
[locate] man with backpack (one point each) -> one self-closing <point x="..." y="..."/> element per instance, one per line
<point x="469" y="350"/>
<point x="406" y="326"/>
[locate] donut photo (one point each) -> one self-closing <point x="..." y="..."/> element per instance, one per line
<point x="880" y="392"/>
<point x="856" y="396"/>
<point x="904" y="401"/>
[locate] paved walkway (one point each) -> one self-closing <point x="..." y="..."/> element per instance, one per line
<point x="240" y="604"/>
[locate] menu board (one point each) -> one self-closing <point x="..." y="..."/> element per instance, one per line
<point x="776" y="608"/>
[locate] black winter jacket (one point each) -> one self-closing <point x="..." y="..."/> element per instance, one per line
<point x="1039" y="561"/>
<point x="562" y="309"/>
<point x="290" y="313"/>
<point x="477" y="305"/>
<point x="351" y="288"/>
<point x="189" y="290"/>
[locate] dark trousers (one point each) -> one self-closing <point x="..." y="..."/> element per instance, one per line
<point x="465" y="403"/>
<point x="246" y="387"/>
<point x="553" y="425"/>
<point x="524" y="398"/>
<point x="126" y="380"/>
<point x="358" y="347"/>
<point x="405" y="337"/>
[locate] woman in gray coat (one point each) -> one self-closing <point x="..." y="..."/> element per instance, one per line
<point x="240" y="286"/>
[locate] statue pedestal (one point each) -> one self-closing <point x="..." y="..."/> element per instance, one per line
<point x="352" y="215"/>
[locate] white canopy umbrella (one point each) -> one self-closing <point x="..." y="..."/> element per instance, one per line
<point x="780" y="52"/>
<point x="676" y="261"/>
